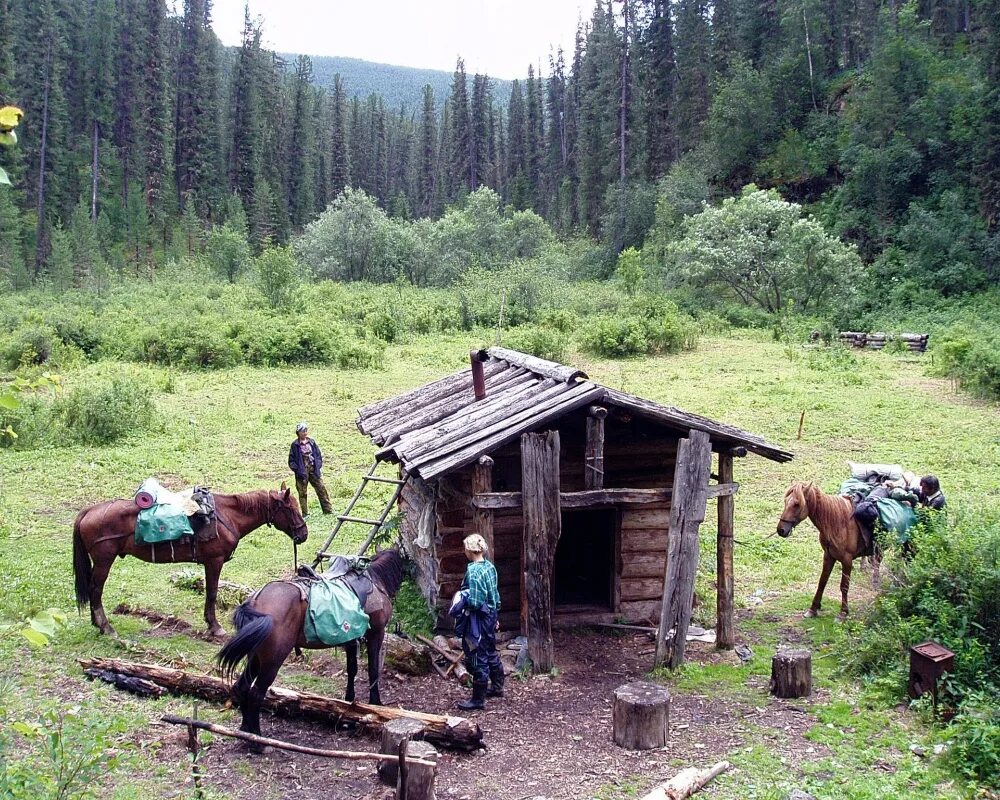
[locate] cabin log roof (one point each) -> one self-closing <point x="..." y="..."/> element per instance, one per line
<point x="440" y="427"/>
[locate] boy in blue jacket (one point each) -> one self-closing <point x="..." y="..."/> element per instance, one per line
<point x="477" y="625"/>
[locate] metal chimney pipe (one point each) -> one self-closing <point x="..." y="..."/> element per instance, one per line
<point x="477" y="357"/>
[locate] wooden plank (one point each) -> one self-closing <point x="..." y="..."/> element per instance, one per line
<point x="644" y="565"/>
<point x="550" y="369"/>
<point x="482" y="519"/>
<point x="436" y="427"/>
<point x="593" y="467"/>
<point x="584" y="499"/>
<point x="542" y="527"/>
<point x="509" y="430"/>
<point x="687" y="512"/>
<point x="642" y="589"/>
<point x="725" y="633"/>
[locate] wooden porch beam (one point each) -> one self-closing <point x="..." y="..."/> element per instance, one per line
<point x="725" y="633"/>
<point x="596" y="497"/>
<point x="593" y="463"/>
<point x="482" y="518"/>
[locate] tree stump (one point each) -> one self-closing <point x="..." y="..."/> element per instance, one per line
<point x="641" y="716"/>
<point x="392" y="734"/>
<point x="791" y="673"/>
<point x="419" y="779"/>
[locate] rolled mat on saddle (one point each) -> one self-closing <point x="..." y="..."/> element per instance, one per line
<point x="166" y="516"/>
<point x="884" y="497"/>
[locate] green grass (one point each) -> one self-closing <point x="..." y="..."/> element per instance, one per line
<point x="230" y="430"/>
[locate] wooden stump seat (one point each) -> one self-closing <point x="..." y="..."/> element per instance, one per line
<point x="641" y="716"/>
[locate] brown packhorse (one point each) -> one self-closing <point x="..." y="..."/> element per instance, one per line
<point x="106" y="530"/>
<point x="839" y="534"/>
<point x="272" y="622"/>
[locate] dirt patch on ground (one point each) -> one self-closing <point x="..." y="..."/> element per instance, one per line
<point x="550" y="737"/>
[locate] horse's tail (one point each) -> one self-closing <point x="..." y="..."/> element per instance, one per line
<point x="252" y="628"/>
<point x="82" y="568"/>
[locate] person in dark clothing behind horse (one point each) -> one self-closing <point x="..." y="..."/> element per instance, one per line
<point x="931" y="495"/>
<point x="477" y="624"/>
<point x="305" y="459"/>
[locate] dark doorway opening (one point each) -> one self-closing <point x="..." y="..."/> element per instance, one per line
<point x="583" y="572"/>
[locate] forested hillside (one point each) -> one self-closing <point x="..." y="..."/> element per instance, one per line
<point x="396" y="85"/>
<point x="882" y="118"/>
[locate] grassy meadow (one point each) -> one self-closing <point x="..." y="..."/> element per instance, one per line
<point x="230" y="429"/>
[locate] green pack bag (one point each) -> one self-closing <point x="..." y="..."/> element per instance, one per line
<point x="896" y="517"/>
<point x="334" y="615"/>
<point x="161" y="523"/>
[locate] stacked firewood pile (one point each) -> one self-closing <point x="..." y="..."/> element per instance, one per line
<point x="447" y="656"/>
<point x="915" y="342"/>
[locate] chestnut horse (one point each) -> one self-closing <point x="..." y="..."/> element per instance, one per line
<point x="271" y="623"/>
<point x="839" y="534"/>
<point x="106" y="530"/>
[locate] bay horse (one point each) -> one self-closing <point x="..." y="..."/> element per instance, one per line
<point x="271" y="623"/>
<point x="106" y="530"/>
<point x="839" y="534"/>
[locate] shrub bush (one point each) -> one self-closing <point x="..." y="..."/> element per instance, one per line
<point x="29" y="345"/>
<point x="971" y="357"/>
<point x="104" y="413"/>
<point x="193" y="342"/>
<point x="948" y="592"/>
<point x="538" y="341"/>
<point x="615" y="337"/>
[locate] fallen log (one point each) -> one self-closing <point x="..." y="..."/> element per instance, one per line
<point x="266" y="741"/>
<point x="455" y="733"/>
<point x="687" y="782"/>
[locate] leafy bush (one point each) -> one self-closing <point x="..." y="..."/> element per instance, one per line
<point x="538" y="341"/>
<point x="948" y="592"/>
<point x="30" y="345"/>
<point x="971" y="357"/>
<point x="192" y="342"/>
<point x="615" y="336"/>
<point x="105" y="413"/>
<point x="227" y="252"/>
<point x="277" y="276"/>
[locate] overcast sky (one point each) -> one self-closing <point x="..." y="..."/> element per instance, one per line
<point x="499" y="37"/>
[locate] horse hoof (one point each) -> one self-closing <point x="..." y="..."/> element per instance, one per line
<point x="841" y="617"/>
<point x="812" y="612"/>
<point x="217" y="633"/>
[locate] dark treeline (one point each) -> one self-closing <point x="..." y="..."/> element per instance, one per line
<point x="883" y="117"/>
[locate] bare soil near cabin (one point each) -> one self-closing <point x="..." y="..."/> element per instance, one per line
<point x="549" y="737"/>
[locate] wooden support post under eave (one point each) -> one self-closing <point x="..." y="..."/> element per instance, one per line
<point x="482" y="518"/>
<point x="687" y="512"/>
<point x="725" y="631"/>
<point x="593" y="463"/>
<point x="542" y="527"/>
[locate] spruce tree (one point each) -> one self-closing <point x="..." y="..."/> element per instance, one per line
<point x="459" y="167"/>
<point x="196" y="142"/>
<point x="659" y="81"/>
<point x="479" y="142"/>
<point x="518" y="185"/>
<point x="339" y="170"/>
<point x="245" y="140"/>
<point x="13" y="274"/>
<point x="533" y="136"/>
<point x="427" y="170"/>
<point x="693" y="50"/>
<point x="302" y="141"/>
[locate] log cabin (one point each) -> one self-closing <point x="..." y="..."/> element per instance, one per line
<point x="602" y="482"/>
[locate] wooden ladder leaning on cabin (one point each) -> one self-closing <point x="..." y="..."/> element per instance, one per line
<point x="375" y="524"/>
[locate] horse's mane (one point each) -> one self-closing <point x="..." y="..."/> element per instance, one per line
<point x="387" y="570"/>
<point x="827" y="511"/>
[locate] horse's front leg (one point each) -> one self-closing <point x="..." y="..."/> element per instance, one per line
<point x="374" y="639"/>
<point x="351" y="650"/>
<point x="845" y="584"/>
<point x="98" y="578"/>
<point x="213" y="568"/>
<point x="824" y="576"/>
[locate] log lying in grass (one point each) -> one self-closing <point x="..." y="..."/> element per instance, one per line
<point x="455" y="733"/>
<point x="687" y="782"/>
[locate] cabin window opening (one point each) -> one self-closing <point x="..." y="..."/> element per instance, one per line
<point x="583" y="571"/>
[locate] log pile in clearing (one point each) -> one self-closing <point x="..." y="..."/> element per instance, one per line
<point x="455" y="733"/>
<point x="915" y="342"/>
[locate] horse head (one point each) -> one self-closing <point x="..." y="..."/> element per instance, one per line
<point x="796" y="507"/>
<point x="285" y="515"/>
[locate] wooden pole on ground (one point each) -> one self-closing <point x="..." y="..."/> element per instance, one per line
<point x="687" y="782"/>
<point x="593" y="469"/>
<point x="542" y="527"/>
<point x="482" y="518"/>
<point x="266" y="741"/>
<point x="725" y="633"/>
<point x="687" y="512"/>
